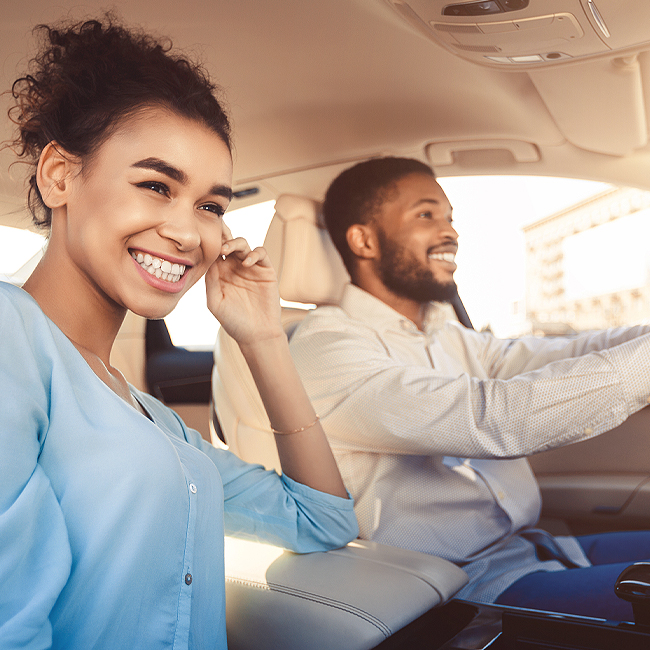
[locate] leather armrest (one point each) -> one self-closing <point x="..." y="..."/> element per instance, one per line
<point x="350" y="598"/>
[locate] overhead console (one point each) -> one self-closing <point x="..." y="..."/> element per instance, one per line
<point x="589" y="60"/>
<point x="520" y="34"/>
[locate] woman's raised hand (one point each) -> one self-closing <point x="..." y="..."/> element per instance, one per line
<point x="242" y="292"/>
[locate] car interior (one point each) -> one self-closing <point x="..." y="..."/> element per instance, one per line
<point x="542" y="88"/>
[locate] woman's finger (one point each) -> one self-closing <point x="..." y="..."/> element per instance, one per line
<point x="261" y="257"/>
<point x="238" y="245"/>
<point x="225" y="233"/>
<point x="241" y="249"/>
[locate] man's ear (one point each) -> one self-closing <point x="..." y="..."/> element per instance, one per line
<point x="54" y="174"/>
<point x="362" y="240"/>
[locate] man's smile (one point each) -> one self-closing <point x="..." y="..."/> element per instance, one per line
<point x="443" y="257"/>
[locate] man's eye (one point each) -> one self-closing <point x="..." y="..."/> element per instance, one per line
<point x="215" y="208"/>
<point x="155" y="186"/>
<point x="425" y="215"/>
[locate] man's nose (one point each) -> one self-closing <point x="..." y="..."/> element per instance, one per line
<point x="450" y="232"/>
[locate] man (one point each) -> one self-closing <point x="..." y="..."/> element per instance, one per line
<point x="431" y="422"/>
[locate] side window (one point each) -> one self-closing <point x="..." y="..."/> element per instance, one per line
<point x="191" y="325"/>
<point x="20" y="250"/>
<point x="550" y="256"/>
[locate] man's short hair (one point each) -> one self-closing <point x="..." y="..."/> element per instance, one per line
<point x="357" y="193"/>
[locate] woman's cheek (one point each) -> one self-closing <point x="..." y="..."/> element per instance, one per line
<point x="212" y="243"/>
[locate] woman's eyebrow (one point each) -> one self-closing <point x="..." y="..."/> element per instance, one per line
<point x="178" y="175"/>
<point x="163" y="167"/>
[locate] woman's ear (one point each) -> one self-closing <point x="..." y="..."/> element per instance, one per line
<point x="362" y="240"/>
<point x="54" y="173"/>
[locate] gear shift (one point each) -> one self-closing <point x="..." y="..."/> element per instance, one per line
<point x="633" y="585"/>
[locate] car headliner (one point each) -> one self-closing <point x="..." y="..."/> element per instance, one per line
<point x="313" y="86"/>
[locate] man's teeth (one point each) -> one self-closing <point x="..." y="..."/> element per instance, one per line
<point x="160" y="268"/>
<point x="445" y="257"/>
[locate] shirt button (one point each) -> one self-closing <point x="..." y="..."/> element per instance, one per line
<point x="501" y="495"/>
<point x="188" y="578"/>
<point x="192" y="488"/>
<point x="588" y="431"/>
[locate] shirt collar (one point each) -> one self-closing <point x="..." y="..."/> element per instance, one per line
<point x="365" y="307"/>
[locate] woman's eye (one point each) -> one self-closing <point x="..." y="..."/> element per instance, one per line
<point x="215" y="208"/>
<point x="425" y="215"/>
<point x="155" y="186"/>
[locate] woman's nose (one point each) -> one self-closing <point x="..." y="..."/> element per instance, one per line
<point x="181" y="227"/>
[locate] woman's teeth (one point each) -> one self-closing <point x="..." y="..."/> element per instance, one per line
<point x="160" y="268"/>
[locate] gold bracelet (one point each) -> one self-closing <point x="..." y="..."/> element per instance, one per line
<point x="288" y="433"/>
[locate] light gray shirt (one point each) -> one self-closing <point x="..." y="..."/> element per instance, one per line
<point x="430" y="429"/>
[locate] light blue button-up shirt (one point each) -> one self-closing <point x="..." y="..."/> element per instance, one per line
<point x="111" y="524"/>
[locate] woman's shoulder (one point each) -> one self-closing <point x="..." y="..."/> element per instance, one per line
<point x="10" y="293"/>
<point x="16" y="302"/>
<point x="23" y="325"/>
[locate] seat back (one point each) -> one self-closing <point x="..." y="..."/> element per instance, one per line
<point x="310" y="272"/>
<point x="339" y="597"/>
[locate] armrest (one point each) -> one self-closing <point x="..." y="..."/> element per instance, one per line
<point x="351" y="598"/>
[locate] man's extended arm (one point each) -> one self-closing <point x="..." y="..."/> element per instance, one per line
<point x="371" y="401"/>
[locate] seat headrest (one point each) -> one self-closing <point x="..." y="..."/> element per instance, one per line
<point x="308" y="265"/>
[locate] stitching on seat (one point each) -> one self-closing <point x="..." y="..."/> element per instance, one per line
<point x="328" y="602"/>
<point x="414" y="572"/>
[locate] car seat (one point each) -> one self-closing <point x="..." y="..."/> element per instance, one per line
<point x="351" y="598"/>
<point x="310" y="272"/>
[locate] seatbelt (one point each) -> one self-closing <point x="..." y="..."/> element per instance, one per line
<point x="547" y="547"/>
<point x="461" y="313"/>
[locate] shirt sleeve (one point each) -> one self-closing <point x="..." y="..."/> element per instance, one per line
<point x="262" y="505"/>
<point x="35" y="559"/>
<point x="530" y="398"/>
<point x="506" y="358"/>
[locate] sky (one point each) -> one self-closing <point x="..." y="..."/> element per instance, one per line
<point x="488" y="215"/>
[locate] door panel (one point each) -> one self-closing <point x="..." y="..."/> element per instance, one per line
<point x="179" y="377"/>
<point x="599" y="484"/>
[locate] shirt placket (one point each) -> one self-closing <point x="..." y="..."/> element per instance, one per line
<point x="511" y="503"/>
<point x="181" y="639"/>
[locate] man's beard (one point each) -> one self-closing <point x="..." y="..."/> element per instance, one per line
<point x="402" y="273"/>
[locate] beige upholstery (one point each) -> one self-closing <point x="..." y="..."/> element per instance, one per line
<point x="310" y="271"/>
<point x="308" y="265"/>
<point x="351" y="598"/>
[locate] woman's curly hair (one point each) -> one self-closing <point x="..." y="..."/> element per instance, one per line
<point x="89" y="76"/>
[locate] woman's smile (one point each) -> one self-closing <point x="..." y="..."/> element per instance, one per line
<point x="159" y="272"/>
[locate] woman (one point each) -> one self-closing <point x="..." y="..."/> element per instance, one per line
<point x="112" y="511"/>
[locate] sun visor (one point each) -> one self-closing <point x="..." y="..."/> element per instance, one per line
<point x="599" y="105"/>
